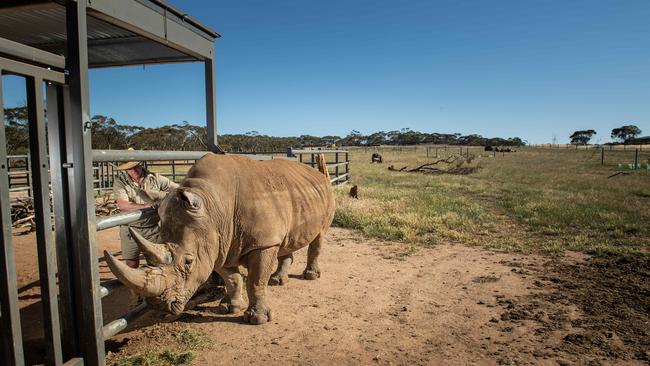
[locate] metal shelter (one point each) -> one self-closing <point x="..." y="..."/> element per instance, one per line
<point x="52" y="44"/>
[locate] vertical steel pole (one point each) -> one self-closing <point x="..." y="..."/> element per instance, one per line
<point x="86" y="268"/>
<point x="211" y="104"/>
<point x="12" y="340"/>
<point x="347" y="167"/>
<point x="42" y="217"/>
<point x="602" y="156"/>
<point x="56" y="139"/>
<point x="636" y="158"/>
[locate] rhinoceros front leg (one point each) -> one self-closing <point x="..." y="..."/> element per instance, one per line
<point x="281" y="276"/>
<point x="260" y="266"/>
<point x="233" y="302"/>
<point x="312" y="271"/>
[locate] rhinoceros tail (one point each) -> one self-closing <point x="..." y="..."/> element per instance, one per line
<point x="322" y="165"/>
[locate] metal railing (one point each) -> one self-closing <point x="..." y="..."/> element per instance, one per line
<point x="338" y="162"/>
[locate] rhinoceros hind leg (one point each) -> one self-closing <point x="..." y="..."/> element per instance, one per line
<point x="260" y="266"/>
<point x="312" y="272"/>
<point x="233" y="302"/>
<point x="281" y="276"/>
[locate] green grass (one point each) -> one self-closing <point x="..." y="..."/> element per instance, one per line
<point x="183" y="344"/>
<point x="533" y="200"/>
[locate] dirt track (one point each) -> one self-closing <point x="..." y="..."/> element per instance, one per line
<point x="381" y="303"/>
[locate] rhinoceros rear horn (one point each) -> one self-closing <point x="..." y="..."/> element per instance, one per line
<point x="147" y="282"/>
<point x="156" y="254"/>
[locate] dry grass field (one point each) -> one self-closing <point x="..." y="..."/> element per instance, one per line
<point x="532" y="200"/>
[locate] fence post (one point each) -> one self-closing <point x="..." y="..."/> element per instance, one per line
<point x="173" y="170"/>
<point x="636" y="158"/>
<point x="337" y="167"/>
<point x="602" y="156"/>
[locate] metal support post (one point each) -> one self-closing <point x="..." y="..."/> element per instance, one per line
<point x="44" y="242"/>
<point x="12" y="340"/>
<point x="56" y="140"/>
<point x="211" y="105"/>
<point x="84" y="245"/>
<point x="602" y="156"/>
<point x="636" y="158"/>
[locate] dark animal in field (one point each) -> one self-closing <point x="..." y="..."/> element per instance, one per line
<point x="376" y="158"/>
<point x="231" y="211"/>
<point x="489" y="148"/>
<point x="354" y="192"/>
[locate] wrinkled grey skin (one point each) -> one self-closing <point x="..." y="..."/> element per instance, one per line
<point x="232" y="210"/>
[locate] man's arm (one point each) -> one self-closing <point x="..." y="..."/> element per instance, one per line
<point x="124" y="205"/>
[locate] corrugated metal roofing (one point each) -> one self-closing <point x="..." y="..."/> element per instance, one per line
<point x="44" y="27"/>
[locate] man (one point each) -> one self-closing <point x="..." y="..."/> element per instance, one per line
<point x="136" y="188"/>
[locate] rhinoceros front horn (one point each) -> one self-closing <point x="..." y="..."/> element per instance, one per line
<point x="155" y="254"/>
<point x="147" y="282"/>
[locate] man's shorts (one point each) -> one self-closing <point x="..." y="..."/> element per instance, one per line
<point x="130" y="249"/>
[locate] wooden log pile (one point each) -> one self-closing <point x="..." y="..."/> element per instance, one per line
<point x="22" y="213"/>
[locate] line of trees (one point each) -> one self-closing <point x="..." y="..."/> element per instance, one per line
<point x="107" y="133"/>
<point x="624" y="134"/>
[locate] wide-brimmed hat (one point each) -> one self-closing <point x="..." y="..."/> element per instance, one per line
<point x="129" y="164"/>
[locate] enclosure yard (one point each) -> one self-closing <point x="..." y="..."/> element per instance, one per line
<point x="536" y="257"/>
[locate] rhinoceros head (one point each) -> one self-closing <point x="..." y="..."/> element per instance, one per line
<point x="185" y="258"/>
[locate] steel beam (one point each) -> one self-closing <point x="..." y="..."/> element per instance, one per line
<point x="157" y="155"/>
<point x="84" y="245"/>
<point x="12" y="340"/>
<point x="31" y="54"/>
<point x="42" y="217"/>
<point x="211" y="106"/>
<point x="55" y="95"/>
<point x="124" y="218"/>
<point x="108" y="286"/>
<point x="21" y="68"/>
<point x="120" y="324"/>
<point x="155" y="24"/>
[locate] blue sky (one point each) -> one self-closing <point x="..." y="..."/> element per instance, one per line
<point x="523" y="68"/>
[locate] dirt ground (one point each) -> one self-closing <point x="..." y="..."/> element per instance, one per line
<point x="388" y="303"/>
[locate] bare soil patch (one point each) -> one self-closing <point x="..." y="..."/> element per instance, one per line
<point x="388" y="303"/>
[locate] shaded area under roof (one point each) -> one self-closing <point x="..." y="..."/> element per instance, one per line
<point x="41" y="24"/>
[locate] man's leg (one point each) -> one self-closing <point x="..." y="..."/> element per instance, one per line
<point x="130" y="251"/>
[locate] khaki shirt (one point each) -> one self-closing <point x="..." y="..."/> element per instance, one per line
<point x="126" y="189"/>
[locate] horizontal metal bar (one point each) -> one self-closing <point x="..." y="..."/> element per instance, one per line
<point x="106" y="287"/>
<point x="74" y="362"/>
<point x="32" y="54"/>
<point x="338" y="178"/>
<point x="158" y="155"/>
<point x="334" y="165"/>
<point x="318" y="151"/>
<point x="145" y="155"/>
<point x="123" y="218"/>
<point x="21" y="68"/>
<point x="120" y="324"/>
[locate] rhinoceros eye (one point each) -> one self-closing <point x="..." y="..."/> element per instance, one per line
<point x="189" y="260"/>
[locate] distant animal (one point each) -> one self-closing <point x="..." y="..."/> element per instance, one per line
<point x="354" y="192"/>
<point x="231" y="211"/>
<point x="488" y="148"/>
<point x="376" y="158"/>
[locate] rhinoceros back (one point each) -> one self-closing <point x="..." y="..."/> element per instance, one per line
<point x="274" y="202"/>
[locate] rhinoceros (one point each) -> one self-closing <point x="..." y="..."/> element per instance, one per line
<point x="231" y="211"/>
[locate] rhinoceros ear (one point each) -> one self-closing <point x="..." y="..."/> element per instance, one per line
<point x="192" y="201"/>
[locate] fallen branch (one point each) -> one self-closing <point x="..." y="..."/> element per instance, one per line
<point x="449" y="160"/>
<point x="618" y="173"/>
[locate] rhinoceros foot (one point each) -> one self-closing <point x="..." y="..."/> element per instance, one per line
<point x="310" y="274"/>
<point x="258" y="314"/>
<point x="276" y="280"/>
<point x="228" y="306"/>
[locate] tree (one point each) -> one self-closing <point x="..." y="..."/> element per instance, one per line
<point x="625" y="133"/>
<point x="581" y="137"/>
